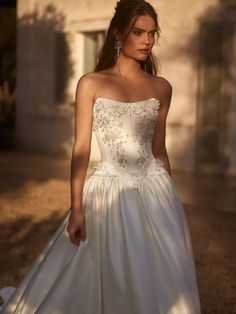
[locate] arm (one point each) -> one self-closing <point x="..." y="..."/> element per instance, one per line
<point x="80" y="156"/>
<point x="158" y="142"/>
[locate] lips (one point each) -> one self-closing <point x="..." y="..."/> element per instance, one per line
<point x="144" y="51"/>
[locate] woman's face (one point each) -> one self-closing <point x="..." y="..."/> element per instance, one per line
<point x="140" y="39"/>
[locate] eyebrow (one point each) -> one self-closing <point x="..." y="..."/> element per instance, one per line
<point x="143" y="30"/>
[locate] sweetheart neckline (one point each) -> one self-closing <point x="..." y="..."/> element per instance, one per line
<point x="126" y="102"/>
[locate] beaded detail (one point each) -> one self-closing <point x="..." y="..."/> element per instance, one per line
<point x="124" y="132"/>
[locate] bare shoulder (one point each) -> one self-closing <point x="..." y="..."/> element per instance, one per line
<point x="163" y="89"/>
<point x="163" y="85"/>
<point x="90" y="82"/>
<point x="87" y="80"/>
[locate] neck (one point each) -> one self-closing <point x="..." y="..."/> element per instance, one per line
<point x="128" y="67"/>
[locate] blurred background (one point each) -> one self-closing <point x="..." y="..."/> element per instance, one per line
<point x="45" y="47"/>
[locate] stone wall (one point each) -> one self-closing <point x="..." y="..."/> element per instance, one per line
<point x="45" y="122"/>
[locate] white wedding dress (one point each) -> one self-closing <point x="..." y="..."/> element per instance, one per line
<point x="137" y="257"/>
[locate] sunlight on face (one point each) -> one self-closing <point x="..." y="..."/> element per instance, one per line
<point x="140" y="39"/>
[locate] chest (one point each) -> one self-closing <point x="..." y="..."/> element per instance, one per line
<point x="126" y="90"/>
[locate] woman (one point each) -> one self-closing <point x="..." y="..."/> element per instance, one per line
<point x="124" y="246"/>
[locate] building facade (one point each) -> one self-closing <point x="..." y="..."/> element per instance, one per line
<point x="58" y="42"/>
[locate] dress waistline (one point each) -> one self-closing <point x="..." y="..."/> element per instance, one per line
<point x="132" y="175"/>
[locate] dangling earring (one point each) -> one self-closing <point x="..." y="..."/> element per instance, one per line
<point x="118" y="46"/>
<point x="145" y="67"/>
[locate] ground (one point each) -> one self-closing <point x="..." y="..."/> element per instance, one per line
<point x="35" y="192"/>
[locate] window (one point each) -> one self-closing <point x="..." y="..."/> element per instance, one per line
<point x="75" y="55"/>
<point x="93" y="41"/>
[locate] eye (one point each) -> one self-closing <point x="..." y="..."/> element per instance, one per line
<point x="137" y="33"/>
<point x="152" y="34"/>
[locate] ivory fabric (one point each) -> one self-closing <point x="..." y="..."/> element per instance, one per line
<point x="137" y="257"/>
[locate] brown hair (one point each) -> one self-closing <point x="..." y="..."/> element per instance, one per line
<point x="125" y="11"/>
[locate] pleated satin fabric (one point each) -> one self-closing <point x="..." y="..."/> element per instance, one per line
<point x="137" y="257"/>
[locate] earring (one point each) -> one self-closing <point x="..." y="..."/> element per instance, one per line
<point x="118" y="46"/>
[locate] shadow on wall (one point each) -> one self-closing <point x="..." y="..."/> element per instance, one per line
<point x="216" y="89"/>
<point x="50" y="48"/>
<point x="210" y="50"/>
<point x="43" y="116"/>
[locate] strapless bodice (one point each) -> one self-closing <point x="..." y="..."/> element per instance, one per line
<point x="124" y="132"/>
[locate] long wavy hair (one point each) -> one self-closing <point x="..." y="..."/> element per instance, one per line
<point x="127" y="11"/>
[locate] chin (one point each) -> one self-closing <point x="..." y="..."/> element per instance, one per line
<point x="142" y="59"/>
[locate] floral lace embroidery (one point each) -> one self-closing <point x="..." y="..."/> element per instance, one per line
<point x="121" y="125"/>
<point x="143" y="135"/>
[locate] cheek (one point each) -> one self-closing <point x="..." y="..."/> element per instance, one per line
<point x="131" y="43"/>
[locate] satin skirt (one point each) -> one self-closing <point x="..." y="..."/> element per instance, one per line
<point x="137" y="257"/>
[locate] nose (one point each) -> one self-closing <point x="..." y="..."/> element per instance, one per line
<point x="146" y="39"/>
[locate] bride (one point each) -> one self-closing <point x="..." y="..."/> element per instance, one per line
<point x="124" y="245"/>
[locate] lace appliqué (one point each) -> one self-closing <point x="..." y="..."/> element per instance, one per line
<point x="121" y="126"/>
<point x="143" y="134"/>
<point x="110" y="130"/>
